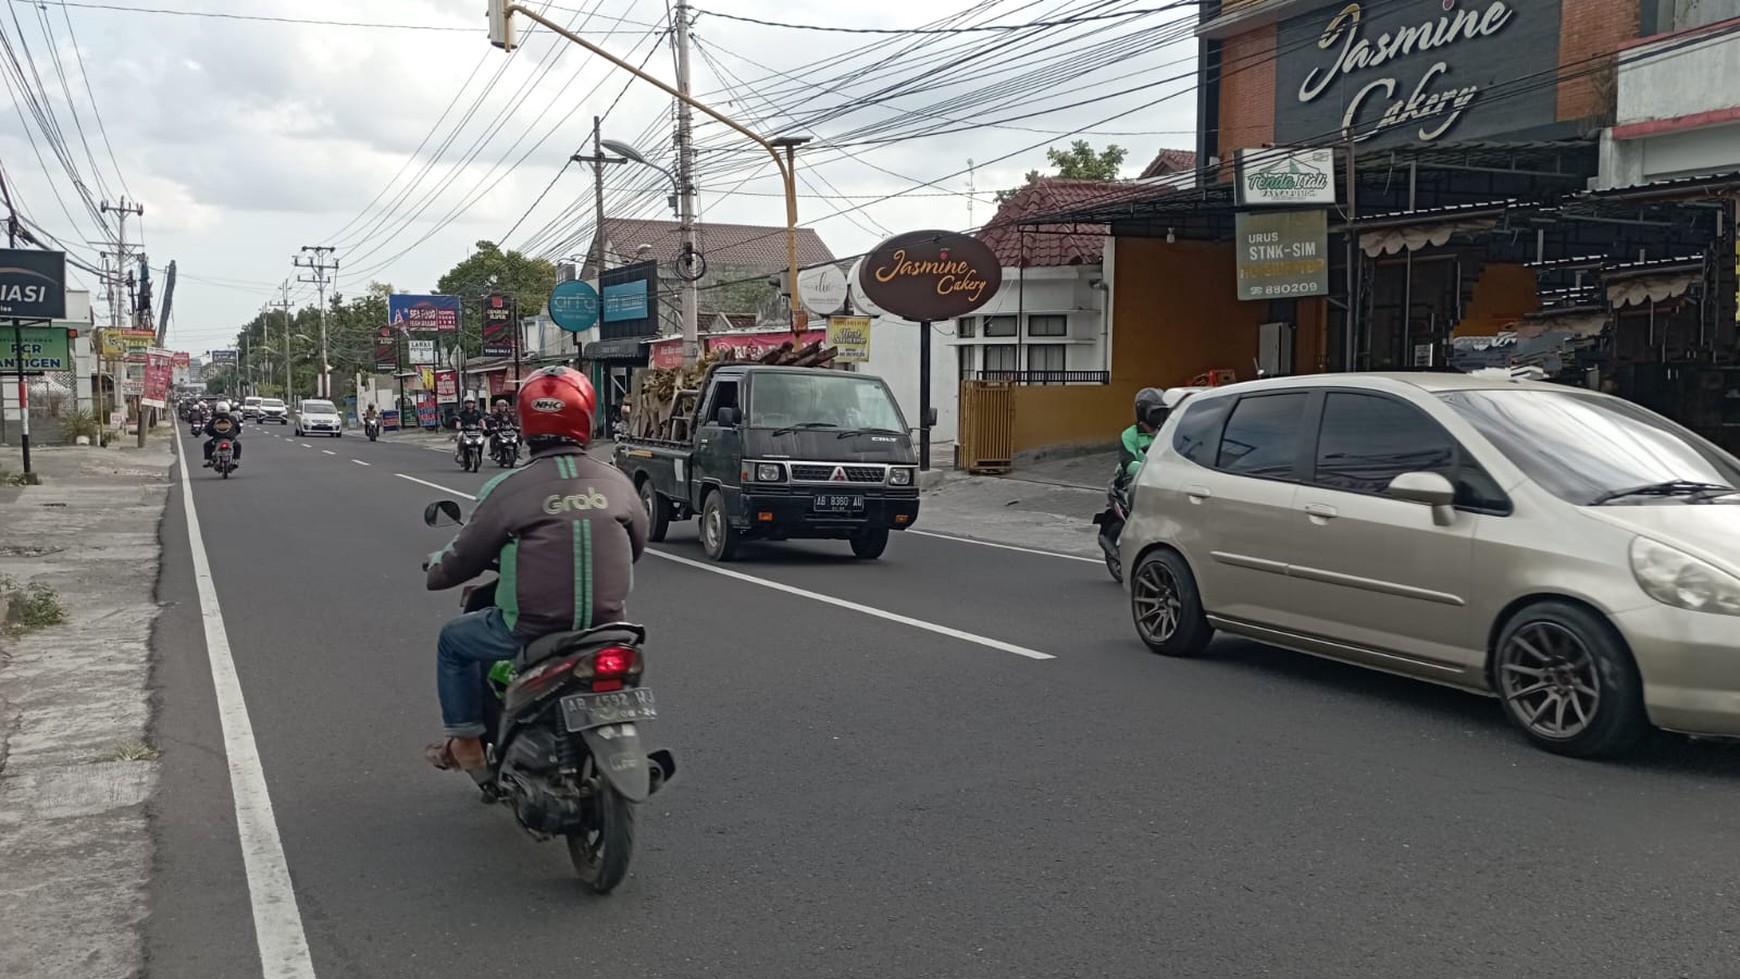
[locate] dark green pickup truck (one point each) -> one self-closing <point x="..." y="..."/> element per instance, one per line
<point x="782" y="453"/>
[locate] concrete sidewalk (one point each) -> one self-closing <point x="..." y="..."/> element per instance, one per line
<point x="1047" y="504"/>
<point x="76" y="768"/>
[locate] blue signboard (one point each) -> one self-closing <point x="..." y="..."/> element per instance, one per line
<point x="574" y="305"/>
<point x="431" y="314"/>
<point x="625" y="301"/>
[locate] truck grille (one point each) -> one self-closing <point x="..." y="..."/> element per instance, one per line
<point x="823" y="473"/>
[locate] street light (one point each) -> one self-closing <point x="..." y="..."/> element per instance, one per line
<point x="633" y="155"/>
<point x="782" y="149"/>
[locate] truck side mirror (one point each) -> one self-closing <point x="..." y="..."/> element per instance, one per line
<point x="729" y="417"/>
<point x="930" y="417"/>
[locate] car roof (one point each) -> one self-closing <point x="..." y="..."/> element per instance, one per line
<point x="1430" y="382"/>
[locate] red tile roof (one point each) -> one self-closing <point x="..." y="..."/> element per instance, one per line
<point x="1049" y="245"/>
<point x="1170" y="161"/>
<point x="739" y="246"/>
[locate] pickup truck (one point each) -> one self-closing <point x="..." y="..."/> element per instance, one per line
<point x="780" y="453"/>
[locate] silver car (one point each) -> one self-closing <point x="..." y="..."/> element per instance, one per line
<point x="318" y="418"/>
<point x="1573" y="554"/>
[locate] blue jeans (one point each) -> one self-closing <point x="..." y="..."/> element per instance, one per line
<point x="468" y="647"/>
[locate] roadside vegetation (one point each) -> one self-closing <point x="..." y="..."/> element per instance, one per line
<point x="28" y="607"/>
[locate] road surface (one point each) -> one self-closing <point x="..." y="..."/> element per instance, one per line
<point x="886" y="783"/>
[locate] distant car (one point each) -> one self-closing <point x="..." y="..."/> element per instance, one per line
<point x="251" y="408"/>
<point x="1570" y="553"/>
<point x="319" y="418"/>
<point x="274" y="410"/>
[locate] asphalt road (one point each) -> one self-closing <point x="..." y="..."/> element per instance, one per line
<point x="883" y="795"/>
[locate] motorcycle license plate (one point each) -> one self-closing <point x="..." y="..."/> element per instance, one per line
<point x="837" y="503"/>
<point x="583" y="711"/>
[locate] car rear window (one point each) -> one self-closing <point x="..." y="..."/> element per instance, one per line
<point x="1197" y="434"/>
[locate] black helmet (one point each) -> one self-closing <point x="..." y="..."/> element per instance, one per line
<point x="1151" y="407"/>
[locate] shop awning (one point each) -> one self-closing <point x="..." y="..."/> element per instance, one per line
<point x="1399" y="231"/>
<point x="621" y="349"/>
<point x="1647" y="282"/>
<point x="1590" y="323"/>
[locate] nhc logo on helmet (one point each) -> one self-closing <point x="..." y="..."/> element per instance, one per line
<point x="551" y="405"/>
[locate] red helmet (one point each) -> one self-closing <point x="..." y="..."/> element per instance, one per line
<point x="557" y="403"/>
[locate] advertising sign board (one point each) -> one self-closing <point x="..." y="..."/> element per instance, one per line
<point x="498" y="325"/>
<point x="32" y="284"/>
<point x="930" y="275"/>
<point x="1285" y="177"/>
<point x="1282" y="254"/>
<point x="159" y="367"/>
<point x="45" y="348"/>
<point x="423" y="314"/>
<point x="851" y="336"/>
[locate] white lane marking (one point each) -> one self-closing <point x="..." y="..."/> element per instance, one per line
<point x="305" y="445"/>
<point x="329" y="452"/>
<point x="941" y="630"/>
<point x="277" y="921"/>
<point x="1005" y="547"/>
<point x="359" y="462"/>
<point x="444" y="489"/>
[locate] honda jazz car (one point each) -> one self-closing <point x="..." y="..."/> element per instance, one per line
<point x="1570" y="553"/>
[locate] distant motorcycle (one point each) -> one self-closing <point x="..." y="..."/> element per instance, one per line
<point x="373" y="427"/>
<point x="1111" y="523"/>
<point x="504" y="447"/>
<point x="198" y="425"/>
<point x="470" y="455"/>
<point x="223" y="457"/>
<point x="563" y="735"/>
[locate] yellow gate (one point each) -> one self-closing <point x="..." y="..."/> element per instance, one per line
<point x="987" y="440"/>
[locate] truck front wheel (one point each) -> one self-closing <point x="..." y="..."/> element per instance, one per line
<point x="869" y="543"/>
<point x="718" y="537"/>
<point x="658" y="513"/>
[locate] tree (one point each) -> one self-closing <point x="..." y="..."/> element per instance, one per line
<point x="489" y="269"/>
<point x="1080" y="162"/>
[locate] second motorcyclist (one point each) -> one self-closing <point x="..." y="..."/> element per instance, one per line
<point x="224" y="424"/>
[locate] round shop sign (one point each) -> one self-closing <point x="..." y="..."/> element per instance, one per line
<point x="822" y="290"/>
<point x="574" y="305"/>
<point x="930" y="275"/>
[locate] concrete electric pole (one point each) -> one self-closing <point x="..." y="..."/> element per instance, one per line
<point x="686" y="262"/>
<point x="289" y="361"/>
<point x="320" y="266"/>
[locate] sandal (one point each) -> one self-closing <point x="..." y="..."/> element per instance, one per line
<point x="440" y="754"/>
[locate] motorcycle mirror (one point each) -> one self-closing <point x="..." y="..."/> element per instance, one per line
<point x="434" y="512"/>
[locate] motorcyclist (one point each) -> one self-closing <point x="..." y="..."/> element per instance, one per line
<point x="467" y="418"/>
<point x="1134" y="442"/>
<point x="225" y="422"/>
<point x="565" y="530"/>
<point x="502" y="418"/>
<point x="371" y="414"/>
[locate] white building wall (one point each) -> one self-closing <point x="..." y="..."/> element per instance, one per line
<point x="1704" y="137"/>
<point x="894" y="358"/>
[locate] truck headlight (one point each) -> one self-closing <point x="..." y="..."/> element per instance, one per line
<point x="1673" y="577"/>
<point x="900" y="477"/>
<point x="769" y="472"/>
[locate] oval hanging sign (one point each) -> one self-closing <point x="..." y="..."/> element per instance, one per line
<point x="574" y="305"/>
<point x="930" y="275"/>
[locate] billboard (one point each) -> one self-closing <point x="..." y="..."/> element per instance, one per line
<point x="498" y="326"/>
<point x="446" y="386"/>
<point x="423" y="314"/>
<point x="386" y="348"/>
<point x="223" y="358"/>
<point x="629" y="298"/>
<point x="32" y="284"/>
<point x="1282" y="254"/>
<point x="159" y="368"/>
<point x="45" y="348"/>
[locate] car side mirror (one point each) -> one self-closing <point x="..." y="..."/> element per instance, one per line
<point x="729" y="417"/>
<point x="930" y="417"/>
<point x="434" y="513"/>
<point x="1429" y="489"/>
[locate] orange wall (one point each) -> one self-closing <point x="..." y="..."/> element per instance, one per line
<point x="1504" y="294"/>
<point x="1055" y="415"/>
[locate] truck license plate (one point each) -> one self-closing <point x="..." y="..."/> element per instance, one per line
<point x="835" y="503"/>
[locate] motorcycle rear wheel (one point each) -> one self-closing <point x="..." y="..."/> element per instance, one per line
<point x="601" y="852"/>
<point x="1116" y="567"/>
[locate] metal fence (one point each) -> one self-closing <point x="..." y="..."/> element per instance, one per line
<point x="1042" y="377"/>
<point x="53" y="401"/>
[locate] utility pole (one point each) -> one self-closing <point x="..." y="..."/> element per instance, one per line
<point x="121" y="211"/>
<point x="289" y="364"/>
<point x="320" y="266"/>
<point x="598" y="160"/>
<point x="690" y="302"/>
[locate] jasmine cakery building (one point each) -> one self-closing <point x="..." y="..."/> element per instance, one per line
<point x="1389" y="184"/>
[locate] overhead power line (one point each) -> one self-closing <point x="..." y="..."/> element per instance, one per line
<point x="980" y="28"/>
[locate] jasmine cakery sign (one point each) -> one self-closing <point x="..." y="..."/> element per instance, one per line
<point x="1395" y="72"/>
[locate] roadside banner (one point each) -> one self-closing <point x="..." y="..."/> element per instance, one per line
<point x="446" y="386"/>
<point x="45" y="348"/>
<point x="498" y="325"/>
<point x="159" y="367"/>
<point x="851" y="335"/>
<point x="386" y="348"/>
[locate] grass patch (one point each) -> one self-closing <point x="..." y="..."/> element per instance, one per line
<point x="131" y="751"/>
<point x="34" y="606"/>
<point x="17" y="479"/>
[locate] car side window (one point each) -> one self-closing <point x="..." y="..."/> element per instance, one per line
<point x="1262" y="435"/>
<point x="1367" y="440"/>
<point x="1197" y="434"/>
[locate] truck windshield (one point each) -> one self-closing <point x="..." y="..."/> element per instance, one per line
<point x="822" y="399"/>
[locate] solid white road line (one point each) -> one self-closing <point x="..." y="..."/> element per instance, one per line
<point x="359" y="462"/>
<point x="941" y="630"/>
<point x="277" y="922"/>
<point x="329" y="452"/>
<point x="1004" y="547"/>
<point x="444" y="489"/>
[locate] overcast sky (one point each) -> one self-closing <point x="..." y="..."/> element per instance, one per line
<point x="245" y="140"/>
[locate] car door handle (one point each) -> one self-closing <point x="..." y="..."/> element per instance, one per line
<point x="1197" y="493"/>
<point x="1320" y="512"/>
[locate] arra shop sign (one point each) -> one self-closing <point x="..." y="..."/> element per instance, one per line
<point x="1282" y="254"/>
<point x="930" y="275"/>
<point x="1404" y="71"/>
<point x="1286" y="177"/>
<point x="32" y="284"/>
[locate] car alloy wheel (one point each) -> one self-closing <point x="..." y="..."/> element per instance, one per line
<point x="1568" y="681"/>
<point x="1154" y="596"/>
<point x="1550" y="675"/>
<point x="1166" y="606"/>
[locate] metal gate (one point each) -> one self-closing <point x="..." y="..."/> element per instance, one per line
<point x="987" y="438"/>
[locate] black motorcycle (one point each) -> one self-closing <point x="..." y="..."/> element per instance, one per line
<point x="1111" y="523"/>
<point x="470" y="455"/>
<point x="563" y="735"/>
<point x="504" y="447"/>
<point x="372" y="426"/>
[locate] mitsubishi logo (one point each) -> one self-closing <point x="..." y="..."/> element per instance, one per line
<point x="839" y="475"/>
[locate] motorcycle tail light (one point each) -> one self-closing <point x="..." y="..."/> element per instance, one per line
<point x="614" y="661"/>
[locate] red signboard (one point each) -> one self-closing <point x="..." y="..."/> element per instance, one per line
<point x="748" y="346"/>
<point x="446" y="386"/>
<point x="159" y="368"/>
<point x="181" y="358"/>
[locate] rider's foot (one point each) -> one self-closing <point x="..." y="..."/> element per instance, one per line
<point x="208" y="464"/>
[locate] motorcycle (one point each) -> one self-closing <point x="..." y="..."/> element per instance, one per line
<point x="470" y="456"/>
<point x="563" y="735"/>
<point x="223" y="457"/>
<point x="504" y="446"/>
<point x="198" y="425"/>
<point x="373" y="427"/>
<point x="1111" y="523"/>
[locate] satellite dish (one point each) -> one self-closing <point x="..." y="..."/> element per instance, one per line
<point x="822" y="290"/>
<point x="860" y="304"/>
